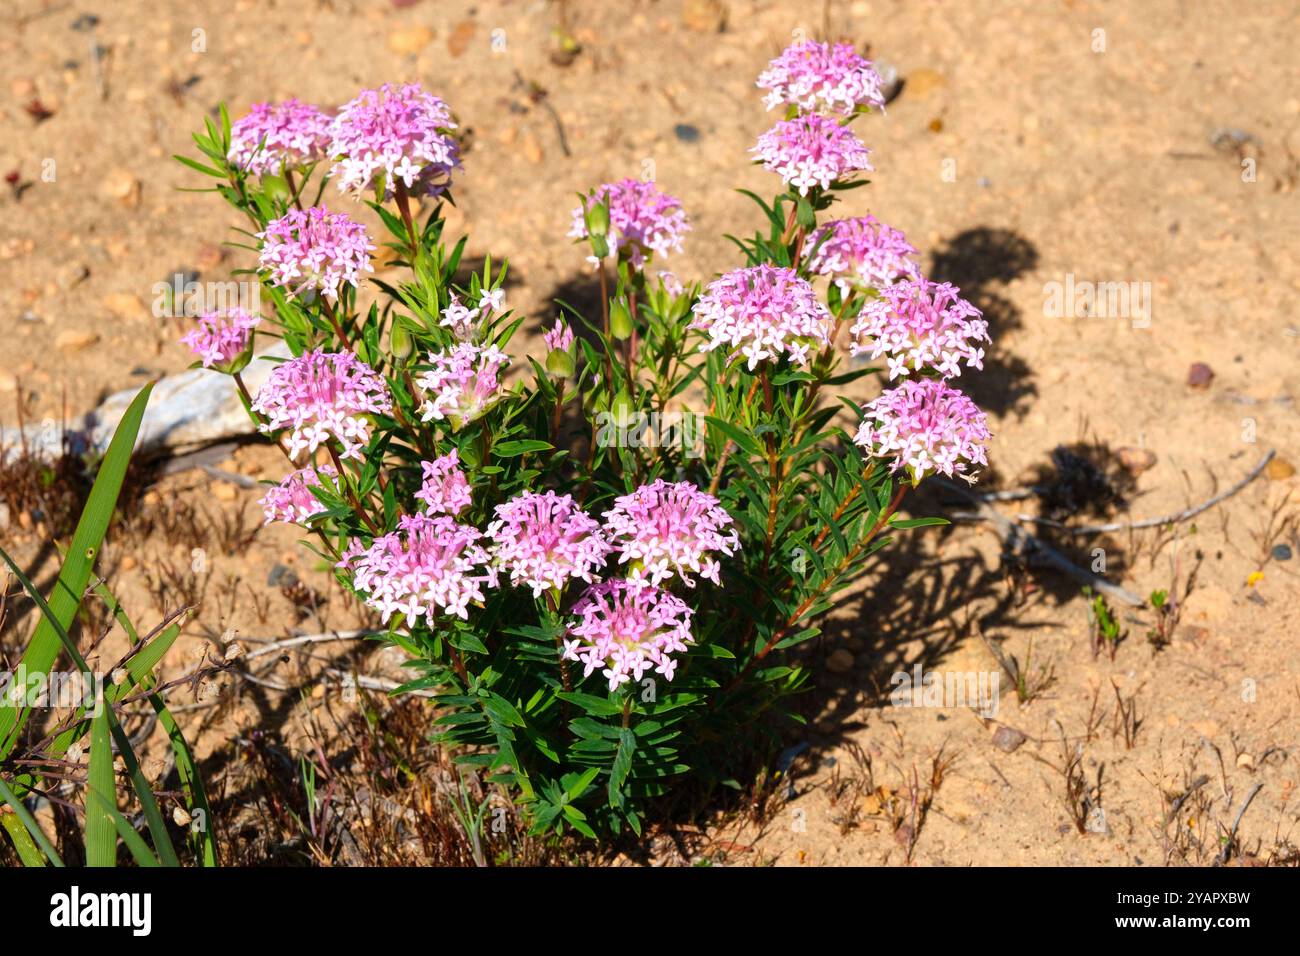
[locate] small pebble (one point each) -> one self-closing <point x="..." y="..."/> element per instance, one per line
<point x="840" y="661"/>
<point x="1008" y="739"/>
<point x="1281" y="552"/>
<point x="1200" y="375"/>
<point x="686" y="133"/>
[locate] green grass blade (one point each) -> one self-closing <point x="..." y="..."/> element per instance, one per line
<point x="134" y="842"/>
<point x="162" y="840"/>
<point x="26" y="833"/>
<point x="75" y="574"/>
<point x="101" y="834"/>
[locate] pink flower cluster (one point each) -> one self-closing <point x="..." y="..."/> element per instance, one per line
<point x="394" y="133"/>
<point x="861" y="253"/>
<point x="221" y="337"/>
<point x="445" y="490"/>
<point x="321" y="395"/>
<point x="664" y="529"/>
<point x="465" y="322"/>
<point x="919" y="324"/>
<point x="430" y="562"/>
<point x="559" y="337"/>
<point x="926" y="426"/>
<point x="463" y="383"/>
<point x="274" y="136"/>
<point x="315" y="249"/>
<point x="643" y="221"/>
<point x="762" y="313"/>
<point x="545" y="540"/>
<point x="811" y="150"/>
<point x="817" y="76"/>
<point x="291" y="501"/>
<point x="625" y="629"/>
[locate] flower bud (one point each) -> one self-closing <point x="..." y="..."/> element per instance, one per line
<point x="400" y="342"/>
<point x="276" y="187"/>
<point x="620" y="319"/>
<point x="560" y="363"/>
<point x="597" y="219"/>
<point x="621" y="408"/>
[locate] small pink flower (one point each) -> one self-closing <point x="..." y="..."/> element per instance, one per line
<point x="811" y="150"/>
<point x="274" y="136"/>
<point x="817" y="76"/>
<point x="291" y="501"/>
<point x="462" y="320"/>
<point x="394" y="133"/>
<point x="918" y="324"/>
<point x="624" y="629"/>
<point x="643" y="221"/>
<point x="559" y="337"/>
<point x="861" y="253"/>
<point x="763" y="313"/>
<point x="545" y="540"/>
<point x="663" y="529"/>
<point x="463" y="384"/>
<point x="445" y="489"/>
<point x="222" y="337"/>
<point x="926" y="426"/>
<point x="315" y="249"/>
<point x="430" y="565"/>
<point x="322" y="395"/>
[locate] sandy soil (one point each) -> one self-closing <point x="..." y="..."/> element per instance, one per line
<point x="1025" y="149"/>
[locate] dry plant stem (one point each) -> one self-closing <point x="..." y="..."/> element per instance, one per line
<point x="1163" y="520"/>
<point x="830" y="579"/>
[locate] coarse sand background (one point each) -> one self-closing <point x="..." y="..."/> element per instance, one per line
<point x="1031" y="143"/>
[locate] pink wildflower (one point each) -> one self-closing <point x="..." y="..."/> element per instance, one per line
<point x="315" y="249"/>
<point x="817" y="76"/>
<point x="763" y="312"/>
<point x="394" y="133"/>
<point x="463" y="383"/>
<point x="429" y="565"/>
<point x="861" y="253"/>
<point x="918" y="324"/>
<point x="445" y="489"/>
<point x="221" y="338"/>
<point x="811" y="150"/>
<point x="322" y="395"/>
<point x="545" y="540"/>
<point x="643" y="221"/>
<point x="274" y="136"/>
<point x="926" y="426"/>
<point x="625" y="629"/>
<point x="291" y="501"/>
<point x="663" y="529"/>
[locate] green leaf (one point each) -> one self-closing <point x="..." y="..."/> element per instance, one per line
<point x="101" y="834"/>
<point x="25" y="832"/>
<point x="622" y="766"/>
<point x="905" y="523"/>
<point x="75" y="574"/>
<point x="513" y="449"/>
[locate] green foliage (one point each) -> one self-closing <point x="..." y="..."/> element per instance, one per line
<point x="96" y="718"/>
<point x="773" y="445"/>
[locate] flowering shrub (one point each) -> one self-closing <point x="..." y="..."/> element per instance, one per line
<point x="599" y="619"/>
